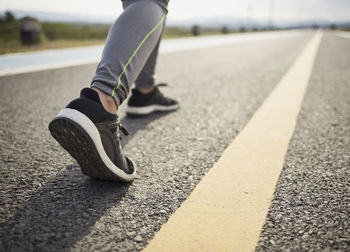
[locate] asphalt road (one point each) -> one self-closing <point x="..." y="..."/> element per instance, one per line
<point x="46" y="204"/>
<point x="311" y="207"/>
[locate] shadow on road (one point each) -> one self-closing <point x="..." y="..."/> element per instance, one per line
<point x="66" y="208"/>
<point x="61" y="213"/>
<point x="134" y="124"/>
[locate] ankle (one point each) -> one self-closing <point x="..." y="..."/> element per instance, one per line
<point x="145" y="90"/>
<point x="107" y="101"/>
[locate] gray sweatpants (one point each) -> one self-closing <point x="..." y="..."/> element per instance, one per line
<point x="131" y="48"/>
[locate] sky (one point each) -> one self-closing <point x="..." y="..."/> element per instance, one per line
<point x="180" y="10"/>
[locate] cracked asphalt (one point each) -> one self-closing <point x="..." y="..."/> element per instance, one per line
<point x="46" y="204"/>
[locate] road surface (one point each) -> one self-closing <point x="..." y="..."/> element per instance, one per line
<point x="48" y="205"/>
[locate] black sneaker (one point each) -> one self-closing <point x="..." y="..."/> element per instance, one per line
<point x="91" y="136"/>
<point x="143" y="104"/>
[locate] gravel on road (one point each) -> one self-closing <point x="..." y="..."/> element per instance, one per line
<point x="311" y="206"/>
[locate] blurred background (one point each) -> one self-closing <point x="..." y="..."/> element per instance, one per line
<point x="27" y="25"/>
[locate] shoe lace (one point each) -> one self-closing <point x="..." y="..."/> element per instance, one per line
<point x="123" y="129"/>
<point x="162" y="84"/>
<point x="117" y="125"/>
<point x="160" y="95"/>
<point x="113" y="127"/>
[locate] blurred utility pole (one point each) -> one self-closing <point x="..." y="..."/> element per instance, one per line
<point x="249" y="18"/>
<point x="301" y="12"/>
<point x="195" y="30"/>
<point x="271" y="14"/>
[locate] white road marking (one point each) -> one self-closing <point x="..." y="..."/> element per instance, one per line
<point x="50" y="59"/>
<point x="343" y="34"/>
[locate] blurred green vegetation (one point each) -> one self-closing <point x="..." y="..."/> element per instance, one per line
<point x="55" y="31"/>
<point x="176" y="32"/>
<point x="9" y="31"/>
<point x="60" y="35"/>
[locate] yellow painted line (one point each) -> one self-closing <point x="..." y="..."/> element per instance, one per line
<point x="228" y="208"/>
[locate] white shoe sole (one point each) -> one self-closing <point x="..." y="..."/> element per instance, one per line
<point x="149" y="109"/>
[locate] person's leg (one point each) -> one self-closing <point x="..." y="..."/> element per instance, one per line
<point x="146" y="78"/>
<point x="146" y="97"/>
<point x="88" y="128"/>
<point x="130" y="42"/>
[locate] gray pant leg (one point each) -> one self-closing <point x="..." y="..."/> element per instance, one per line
<point x="130" y="42"/>
<point x="146" y="78"/>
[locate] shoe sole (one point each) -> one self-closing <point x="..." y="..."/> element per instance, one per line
<point x="78" y="135"/>
<point x="131" y="110"/>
